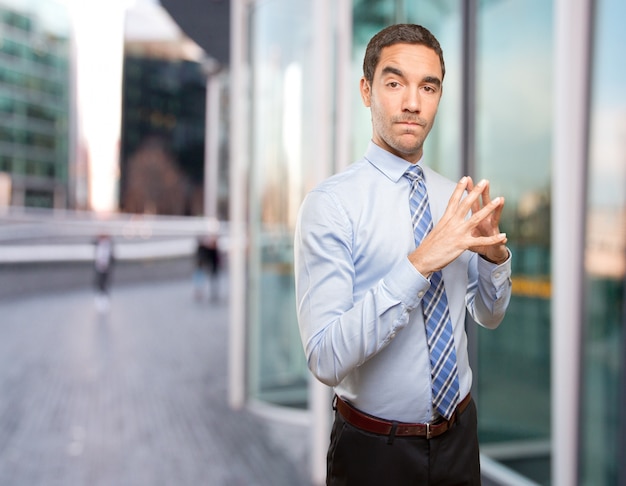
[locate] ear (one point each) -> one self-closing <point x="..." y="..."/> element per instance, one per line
<point x="366" y="92"/>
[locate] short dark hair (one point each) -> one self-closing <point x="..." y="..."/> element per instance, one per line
<point x="399" y="34"/>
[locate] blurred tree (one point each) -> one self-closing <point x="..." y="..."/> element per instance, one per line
<point x="154" y="182"/>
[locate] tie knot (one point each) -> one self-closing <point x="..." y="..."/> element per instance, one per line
<point x="414" y="173"/>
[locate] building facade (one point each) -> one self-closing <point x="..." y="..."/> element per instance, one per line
<point x="163" y="129"/>
<point x="554" y="370"/>
<point x="35" y="103"/>
<point x="174" y="112"/>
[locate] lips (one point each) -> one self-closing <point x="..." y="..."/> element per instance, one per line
<point x="409" y="125"/>
<point x="413" y="123"/>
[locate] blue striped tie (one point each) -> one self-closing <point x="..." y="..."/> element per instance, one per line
<point x="444" y="374"/>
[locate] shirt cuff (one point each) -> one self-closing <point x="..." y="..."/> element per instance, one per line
<point x="498" y="275"/>
<point x="405" y="282"/>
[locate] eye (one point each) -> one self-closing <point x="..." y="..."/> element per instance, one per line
<point x="393" y="84"/>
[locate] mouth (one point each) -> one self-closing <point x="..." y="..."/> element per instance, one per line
<point x="410" y="123"/>
<point x="409" y="127"/>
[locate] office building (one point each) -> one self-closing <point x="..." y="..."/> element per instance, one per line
<point x="35" y="92"/>
<point x="163" y="128"/>
<point x="164" y="101"/>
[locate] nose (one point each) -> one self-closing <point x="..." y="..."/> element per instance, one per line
<point x="412" y="101"/>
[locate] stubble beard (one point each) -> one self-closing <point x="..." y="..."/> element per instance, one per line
<point x="384" y="130"/>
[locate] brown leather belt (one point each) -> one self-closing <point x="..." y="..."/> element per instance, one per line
<point x="375" y="425"/>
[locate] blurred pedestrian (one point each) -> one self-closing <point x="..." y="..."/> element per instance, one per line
<point x="389" y="257"/>
<point x="103" y="267"/>
<point x="207" y="268"/>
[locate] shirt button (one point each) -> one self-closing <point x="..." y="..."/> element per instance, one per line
<point x="420" y="294"/>
<point x="392" y="335"/>
<point x="497" y="274"/>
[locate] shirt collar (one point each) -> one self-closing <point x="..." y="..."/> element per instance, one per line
<point x="391" y="165"/>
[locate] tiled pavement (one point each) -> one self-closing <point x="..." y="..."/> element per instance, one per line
<point x="131" y="398"/>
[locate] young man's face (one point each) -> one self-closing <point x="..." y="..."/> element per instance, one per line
<point x="403" y="98"/>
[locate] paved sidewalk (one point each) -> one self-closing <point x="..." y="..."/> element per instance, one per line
<point x="134" y="397"/>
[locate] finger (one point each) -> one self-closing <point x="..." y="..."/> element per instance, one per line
<point x="476" y="206"/>
<point x="482" y="241"/>
<point x="498" y="211"/>
<point x="470" y="187"/>
<point x="486" y="197"/>
<point x="471" y="202"/>
<point x="459" y="190"/>
<point x="491" y="208"/>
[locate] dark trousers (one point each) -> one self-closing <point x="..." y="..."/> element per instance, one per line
<point x="358" y="458"/>
<point x="102" y="281"/>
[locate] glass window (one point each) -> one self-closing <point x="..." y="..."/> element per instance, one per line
<point x="5" y="164"/>
<point x="514" y="125"/>
<point x="38" y="199"/>
<point x="16" y="20"/>
<point x="604" y="348"/>
<point x="282" y="156"/>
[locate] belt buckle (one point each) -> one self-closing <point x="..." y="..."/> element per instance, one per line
<point x="428" y="432"/>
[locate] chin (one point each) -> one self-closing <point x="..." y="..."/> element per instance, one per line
<point x="409" y="150"/>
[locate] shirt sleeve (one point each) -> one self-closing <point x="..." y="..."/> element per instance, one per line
<point x="338" y="332"/>
<point x="489" y="292"/>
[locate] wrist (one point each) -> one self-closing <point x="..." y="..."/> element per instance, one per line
<point x="499" y="258"/>
<point x="420" y="265"/>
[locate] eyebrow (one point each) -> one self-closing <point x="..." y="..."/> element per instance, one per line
<point x="392" y="70"/>
<point x="433" y="79"/>
<point x="427" y="79"/>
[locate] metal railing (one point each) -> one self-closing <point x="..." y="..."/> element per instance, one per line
<point x="44" y="235"/>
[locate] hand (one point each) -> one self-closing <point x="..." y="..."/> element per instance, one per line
<point x="455" y="232"/>
<point x="488" y="226"/>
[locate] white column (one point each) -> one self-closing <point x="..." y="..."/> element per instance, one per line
<point x="238" y="148"/>
<point x="332" y="158"/>
<point x="319" y="396"/>
<point x="571" y="68"/>
<point x="345" y="86"/>
<point x="322" y="111"/>
<point x="319" y="403"/>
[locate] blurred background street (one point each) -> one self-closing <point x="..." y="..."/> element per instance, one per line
<point x="133" y="396"/>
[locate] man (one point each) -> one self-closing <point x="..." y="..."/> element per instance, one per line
<point x="386" y="265"/>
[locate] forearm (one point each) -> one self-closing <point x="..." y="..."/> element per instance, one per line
<point x="340" y="332"/>
<point x="342" y="344"/>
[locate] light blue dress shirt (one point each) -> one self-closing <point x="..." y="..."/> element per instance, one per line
<point x="358" y="296"/>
